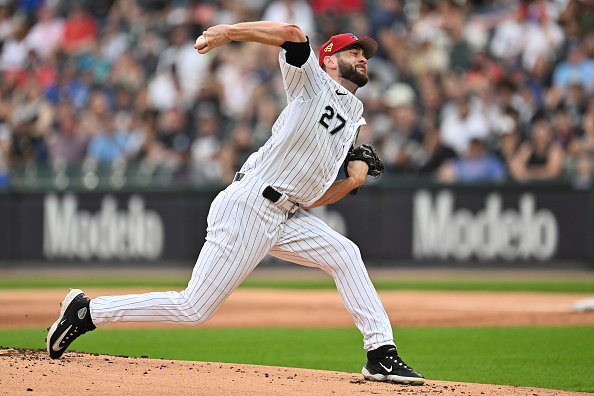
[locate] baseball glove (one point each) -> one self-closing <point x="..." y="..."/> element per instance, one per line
<point x="366" y="153"/>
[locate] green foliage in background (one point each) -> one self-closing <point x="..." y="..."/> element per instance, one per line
<point x="543" y="357"/>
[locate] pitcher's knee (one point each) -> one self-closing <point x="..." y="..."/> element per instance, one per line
<point x="198" y="320"/>
<point x="347" y="248"/>
<point x="350" y="257"/>
<point x="190" y="316"/>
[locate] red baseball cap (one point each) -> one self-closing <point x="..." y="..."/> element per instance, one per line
<point x="341" y="41"/>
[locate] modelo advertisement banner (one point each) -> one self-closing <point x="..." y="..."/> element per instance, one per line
<point x="422" y="225"/>
<point x="476" y="225"/>
<point x="106" y="227"/>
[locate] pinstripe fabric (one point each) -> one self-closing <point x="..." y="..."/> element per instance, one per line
<point x="308" y="241"/>
<point x="242" y="227"/>
<point x="302" y="158"/>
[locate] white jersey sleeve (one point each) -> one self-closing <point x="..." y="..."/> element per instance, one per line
<point x="301" y="82"/>
<point x="311" y="136"/>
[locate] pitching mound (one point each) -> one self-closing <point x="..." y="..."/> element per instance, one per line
<point x="24" y="370"/>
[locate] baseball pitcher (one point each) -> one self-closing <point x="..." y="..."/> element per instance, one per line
<point x="264" y="211"/>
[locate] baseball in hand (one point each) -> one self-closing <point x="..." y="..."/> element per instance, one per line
<point x="200" y="38"/>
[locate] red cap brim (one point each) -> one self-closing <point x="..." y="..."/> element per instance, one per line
<point x="368" y="45"/>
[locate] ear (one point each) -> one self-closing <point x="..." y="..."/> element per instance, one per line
<point x="330" y="62"/>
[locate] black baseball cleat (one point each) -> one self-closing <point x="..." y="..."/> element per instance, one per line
<point x="384" y="364"/>
<point x="74" y="320"/>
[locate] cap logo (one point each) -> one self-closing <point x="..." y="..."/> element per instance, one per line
<point x="329" y="47"/>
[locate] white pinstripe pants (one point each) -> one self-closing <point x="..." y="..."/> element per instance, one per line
<point x="243" y="227"/>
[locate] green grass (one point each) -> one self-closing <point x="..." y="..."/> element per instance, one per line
<point x="567" y="285"/>
<point x="543" y="357"/>
<point x="503" y="285"/>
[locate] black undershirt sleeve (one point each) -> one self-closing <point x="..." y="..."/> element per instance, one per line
<point x="297" y="53"/>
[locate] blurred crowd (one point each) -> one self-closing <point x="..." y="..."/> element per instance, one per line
<point x="463" y="91"/>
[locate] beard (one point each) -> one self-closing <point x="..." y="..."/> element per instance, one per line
<point x="349" y="72"/>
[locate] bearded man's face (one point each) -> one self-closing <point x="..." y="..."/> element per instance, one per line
<point x="354" y="72"/>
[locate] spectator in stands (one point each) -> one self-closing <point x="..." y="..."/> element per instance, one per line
<point x="110" y="140"/>
<point x="525" y="103"/>
<point x="505" y="91"/>
<point x="543" y="37"/>
<point x="114" y="142"/>
<point x="80" y="30"/>
<point x="453" y="22"/>
<point x="31" y="116"/>
<point x="539" y="80"/>
<point x="575" y="103"/>
<point x="296" y="12"/>
<point x="188" y="69"/>
<point x="238" y="77"/>
<point x="114" y="40"/>
<point x="578" y="18"/>
<point x="540" y="157"/>
<point x="28" y="147"/>
<point x="15" y="51"/>
<point x="484" y="73"/>
<point x="588" y="128"/>
<point x="415" y="50"/>
<point x="72" y="85"/>
<point x="6" y="22"/>
<point x="436" y="153"/>
<point x="5" y="142"/>
<point x="45" y="35"/>
<point x="428" y="57"/>
<point x="172" y="135"/>
<point x="127" y="73"/>
<point x="580" y="165"/>
<point x="99" y="104"/>
<point x="431" y="97"/>
<point x="508" y="138"/>
<point x="43" y="108"/>
<point x="262" y="115"/>
<point x="426" y="26"/>
<point x="564" y="131"/>
<point x="28" y="7"/>
<point x="385" y="19"/>
<point x="205" y="148"/>
<point x="164" y="90"/>
<point x="340" y="7"/>
<point x="401" y="148"/>
<point x="147" y="51"/>
<point x="67" y="144"/>
<point x="44" y="71"/>
<point x="226" y="157"/>
<point x="242" y="143"/>
<point x="576" y="67"/>
<point x="579" y="168"/>
<point x="93" y="61"/>
<point x="476" y="166"/>
<point x="508" y="38"/>
<point x="462" y="122"/>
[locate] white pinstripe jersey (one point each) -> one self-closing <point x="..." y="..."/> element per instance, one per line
<point x="312" y="135"/>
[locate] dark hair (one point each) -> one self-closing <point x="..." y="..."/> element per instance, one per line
<point x="540" y="116"/>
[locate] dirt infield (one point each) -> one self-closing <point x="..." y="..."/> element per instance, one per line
<point x="323" y="308"/>
<point x="26" y="371"/>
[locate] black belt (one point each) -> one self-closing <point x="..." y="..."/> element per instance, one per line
<point x="271" y="194"/>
